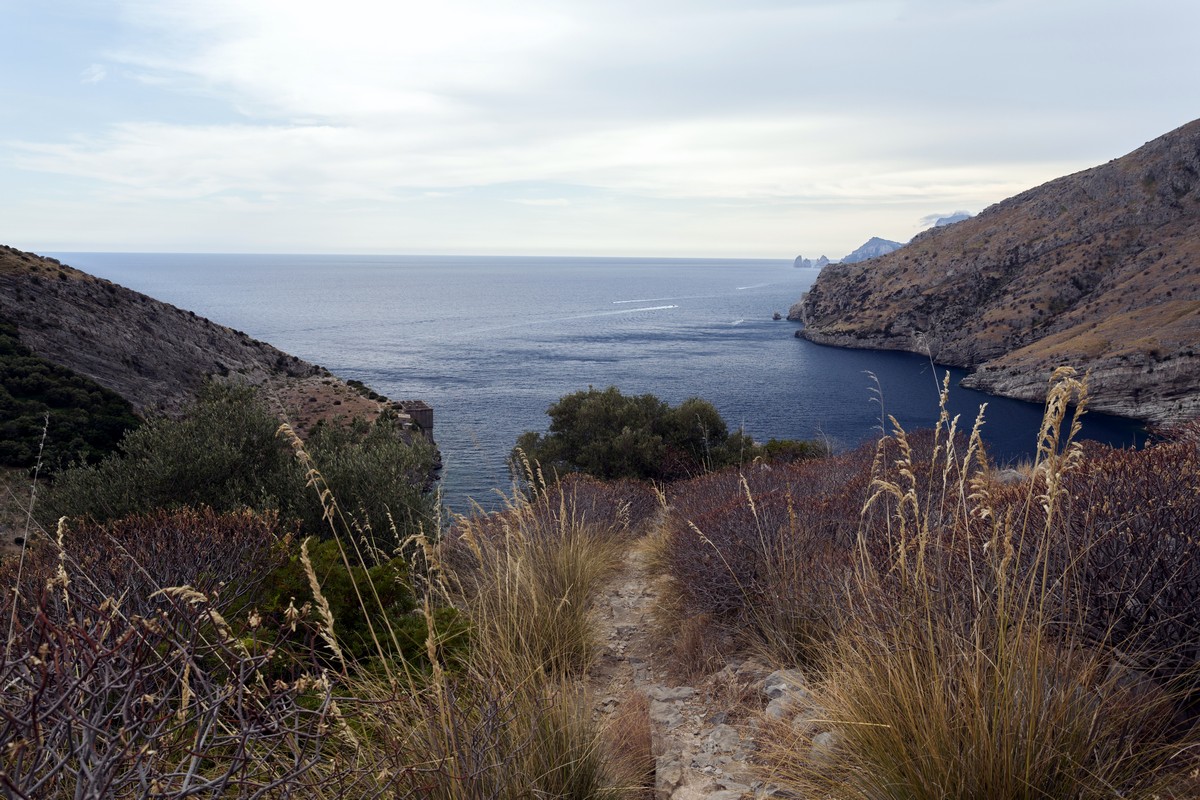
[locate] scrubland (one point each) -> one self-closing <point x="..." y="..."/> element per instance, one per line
<point x="965" y="632"/>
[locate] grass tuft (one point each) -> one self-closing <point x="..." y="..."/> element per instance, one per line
<point x="967" y="670"/>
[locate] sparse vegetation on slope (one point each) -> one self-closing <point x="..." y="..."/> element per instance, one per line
<point x="1099" y="270"/>
<point x="156" y="356"/>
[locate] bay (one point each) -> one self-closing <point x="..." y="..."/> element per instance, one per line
<point x="491" y="342"/>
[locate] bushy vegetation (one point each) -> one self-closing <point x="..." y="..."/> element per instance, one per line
<point x="316" y="669"/>
<point x="381" y="480"/>
<point x="609" y="435"/>
<point x="963" y="636"/>
<point x="342" y="579"/>
<point x="82" y="421"/>
<point x="760" y="556"/>
<point x="967" y="638"/>
<point x="225" y="454"/>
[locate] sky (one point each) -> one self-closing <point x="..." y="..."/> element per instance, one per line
<point x="693" y="128"/>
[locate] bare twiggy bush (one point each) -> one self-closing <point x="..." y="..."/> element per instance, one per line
<point x="764" y="553"/>
<point x="98" y="703"/>
<point x="224" y="556"/>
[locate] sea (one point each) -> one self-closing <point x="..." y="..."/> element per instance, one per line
<point x="492" y="342"/>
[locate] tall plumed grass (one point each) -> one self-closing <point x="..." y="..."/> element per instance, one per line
<point x="140" y="661"/>
<point x="528" y="582"/>
<point x="975" y="664"/>
<point x="500" y="715"/>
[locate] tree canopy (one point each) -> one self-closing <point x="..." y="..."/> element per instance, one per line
<point x="610" y="435"/>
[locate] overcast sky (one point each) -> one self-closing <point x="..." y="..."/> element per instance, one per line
<point x="610" y="127"/>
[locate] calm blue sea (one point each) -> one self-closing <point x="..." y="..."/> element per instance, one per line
<point x="491" y="342"/>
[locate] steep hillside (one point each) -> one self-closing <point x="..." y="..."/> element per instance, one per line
<point x="1099" y="270"/>
<point x="153" y="354"/>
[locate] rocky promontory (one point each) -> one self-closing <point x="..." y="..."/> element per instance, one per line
<point x="155" y="355"/>
<point x="1099" y="270"/>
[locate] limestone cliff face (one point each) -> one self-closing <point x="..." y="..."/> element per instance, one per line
<point x="872" y="248"/>
<point x="156" y="355"/>
<point x="1099" y="270"/>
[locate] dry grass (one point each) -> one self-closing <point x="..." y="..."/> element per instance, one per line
<point x="965" y="671"/>
<point x="507" y="718"/>
<point x="970" y="638"/>
<point x="631" y="746"/>
<point x="527" y="578"/>
<point x="186" y="699"/>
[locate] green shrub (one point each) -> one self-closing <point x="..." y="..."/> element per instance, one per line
<point x="377" y="478"/>
<point x="368" y="604"/>
<point x="608" y="435"/>
<point x="225" y="454"/>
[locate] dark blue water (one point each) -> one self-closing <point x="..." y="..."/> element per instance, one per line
<point x="491" y="342"/>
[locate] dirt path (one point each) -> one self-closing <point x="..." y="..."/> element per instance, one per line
<point x="702" y="734"/>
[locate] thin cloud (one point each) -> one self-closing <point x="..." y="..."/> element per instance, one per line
<point x="760" y="127"/>
<point x="930" y="219"/>
<point x="547" y="202"/>
<point x="93" y="74"/>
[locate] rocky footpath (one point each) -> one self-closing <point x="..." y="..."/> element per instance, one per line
<point x="1099" y="270"/>
<point x="703" y="732"/>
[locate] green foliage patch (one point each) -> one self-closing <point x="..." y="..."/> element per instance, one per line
<point x="225" y="454"/>
<point x="609" y="435"/>
<point x="86" y="421"/>
<point x="384" y="609"/>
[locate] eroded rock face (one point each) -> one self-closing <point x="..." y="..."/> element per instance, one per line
<point x="156" y="355"/>
<point x="1099" y="270"/>
<point x="153" y="354"/>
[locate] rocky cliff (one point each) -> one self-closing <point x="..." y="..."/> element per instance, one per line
<point x="1099" y="270"/>
<point x="153" y="354"/>
<point x="872" y="248"/>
